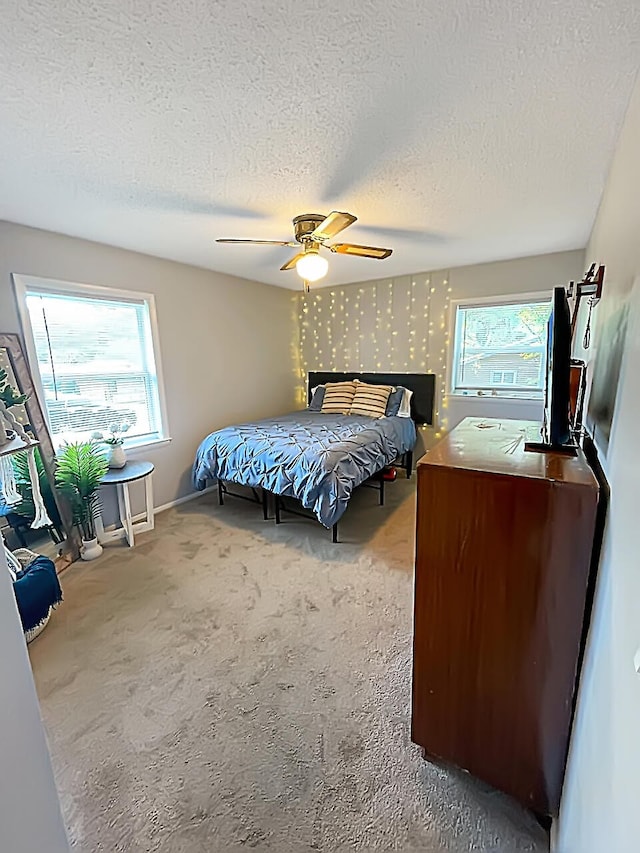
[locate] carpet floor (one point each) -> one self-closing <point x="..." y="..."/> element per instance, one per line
<point x="229" y="684"/>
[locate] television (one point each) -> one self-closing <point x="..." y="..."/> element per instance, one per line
<point x="558" y="383"/>
<point x="557" y="426"/>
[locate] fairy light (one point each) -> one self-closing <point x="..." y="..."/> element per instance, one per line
<point x="357" y="337"/>
<point x="397" y="324"/>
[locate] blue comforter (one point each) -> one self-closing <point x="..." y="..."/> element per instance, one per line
<point x="318" y="459"/>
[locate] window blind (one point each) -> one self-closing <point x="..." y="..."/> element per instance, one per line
<point x="501" y="348"/>
<point x="97" y="367"/>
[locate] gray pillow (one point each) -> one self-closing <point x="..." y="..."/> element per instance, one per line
<point x="316" y="399"/>
<point x="393" y="403"/>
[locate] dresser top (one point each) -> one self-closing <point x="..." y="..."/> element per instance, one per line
<point x="496" y="446"/>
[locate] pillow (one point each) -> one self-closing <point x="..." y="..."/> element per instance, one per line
<point x="370" y="400"/>
<point x="337" y="398"/>
<point x="394" y="401"/>
<point x="405" y="406"/>
<point x="317" y="396"/>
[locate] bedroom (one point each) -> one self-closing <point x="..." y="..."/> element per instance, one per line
<point x="488" y="190"/>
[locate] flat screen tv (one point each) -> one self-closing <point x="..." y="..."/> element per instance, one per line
<point x="557" y="394"/>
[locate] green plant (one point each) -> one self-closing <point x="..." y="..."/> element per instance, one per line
<point x="116" y="436"/>
<point x="81" y="467"/>
<point x="8" y="395"/>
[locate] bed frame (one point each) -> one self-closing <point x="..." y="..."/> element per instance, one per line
<point x="423" y="387"/>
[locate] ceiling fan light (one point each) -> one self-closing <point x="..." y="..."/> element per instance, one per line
<point x="312" y="266"/>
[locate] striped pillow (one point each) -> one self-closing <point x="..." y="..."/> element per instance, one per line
<point x="370" y="400"/>
<point x="338" y="397"/>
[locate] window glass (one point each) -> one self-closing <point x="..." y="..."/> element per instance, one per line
<point x="97" y="365"/>
<point x="501" y="348"/>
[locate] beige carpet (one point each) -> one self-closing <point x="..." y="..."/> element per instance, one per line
<point x="231" y="684"/>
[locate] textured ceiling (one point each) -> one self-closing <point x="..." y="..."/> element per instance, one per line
<point x="457" y="132"/>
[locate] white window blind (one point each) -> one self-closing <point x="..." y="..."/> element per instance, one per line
<point x="97" y="364"/>
<point x="500" y="348"/>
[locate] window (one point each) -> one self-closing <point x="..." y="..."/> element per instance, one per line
<point x="500" y="347"/>
<point x="97" y="359"/>
<point x="503" y="377"/>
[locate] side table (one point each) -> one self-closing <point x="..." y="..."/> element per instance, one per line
<point x="121" y="478"/>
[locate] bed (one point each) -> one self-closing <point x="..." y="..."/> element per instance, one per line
<point x="316" y="458"/>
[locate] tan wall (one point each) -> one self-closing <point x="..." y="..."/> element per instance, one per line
<point x="225" y="342"/>
<point x="602" y="783"/>
<point x="402" y="325"/>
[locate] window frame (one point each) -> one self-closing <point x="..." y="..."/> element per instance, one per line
<point x="504" y="393"/>
<point x="22" y="283"/>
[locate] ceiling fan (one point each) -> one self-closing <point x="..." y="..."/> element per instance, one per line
<point x="312" y="231"/>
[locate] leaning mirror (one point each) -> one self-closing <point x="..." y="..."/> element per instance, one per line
<point x="32" y="513"/>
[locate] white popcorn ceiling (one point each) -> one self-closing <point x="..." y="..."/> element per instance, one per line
<point x="457" y="132"/>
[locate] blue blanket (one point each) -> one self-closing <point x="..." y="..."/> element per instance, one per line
<point x="36" y="588"/>
<point x="318" y="459"/>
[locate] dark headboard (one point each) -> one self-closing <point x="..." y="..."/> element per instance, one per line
<point x="422" y="384"/>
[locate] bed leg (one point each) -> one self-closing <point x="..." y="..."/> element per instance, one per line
<point x="220" y="493"/>
<point x="277" y="503"/>
<point x="265" y="504"/>
<point x="409" y="463"/>
<point x="381" y="489"/>
<point x="334" y="533"/>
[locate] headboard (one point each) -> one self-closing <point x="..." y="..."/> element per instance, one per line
<point x="422" y="384"/>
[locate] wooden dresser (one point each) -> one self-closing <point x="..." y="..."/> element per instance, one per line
<point x="504" y="539"/>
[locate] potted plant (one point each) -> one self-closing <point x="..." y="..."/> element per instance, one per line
<point x="116" y="458"/>
<point x="80" y="469"/>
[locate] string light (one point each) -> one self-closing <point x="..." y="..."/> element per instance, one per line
<point x="394" y="325"/>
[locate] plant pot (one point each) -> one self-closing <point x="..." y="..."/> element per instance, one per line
<point x="117" y="458"/>
<point x="91" y="549"/>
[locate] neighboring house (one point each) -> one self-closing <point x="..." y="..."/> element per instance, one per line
<point x="508" y="368"/>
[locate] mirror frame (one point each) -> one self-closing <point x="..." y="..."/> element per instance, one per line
<point x="12" y="343"/>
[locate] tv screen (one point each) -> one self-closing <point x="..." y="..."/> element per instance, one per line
<point x="558" y="370"/>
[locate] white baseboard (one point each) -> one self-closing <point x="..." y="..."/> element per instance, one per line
<point x="183" y="500"/>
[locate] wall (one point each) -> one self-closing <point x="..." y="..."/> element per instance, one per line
<point x="403" y="325"/>
<point x="30" y="817"/>
<point x="225" y="342"/>
<point x="602" y="783"/>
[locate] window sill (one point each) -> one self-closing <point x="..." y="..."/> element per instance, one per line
<point x="498" y="398"/>
<point x="153" y="444"/>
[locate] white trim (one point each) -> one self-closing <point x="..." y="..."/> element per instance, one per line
<point x="155" y="342"/>
<point x="22" y="283"/>
<point x="183" y="500"/>
<point x="496" y="398"/>
<point x="503" y="299"/>
<point x="20" y="289"/>
<point x="482" y="301"/>
<point x="75" y="288"/>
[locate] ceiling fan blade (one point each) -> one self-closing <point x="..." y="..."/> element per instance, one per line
<point x="258" y="242"/>
<point x="292" y="261"/>
<point x="361" y="251"/>
<point x="334" y="223"/>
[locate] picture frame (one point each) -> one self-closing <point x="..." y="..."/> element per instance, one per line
<point x="32" y="416"/>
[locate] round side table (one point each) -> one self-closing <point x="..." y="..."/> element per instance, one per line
<point x="121" y="478"/>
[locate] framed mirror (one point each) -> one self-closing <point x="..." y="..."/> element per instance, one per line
<point x="20" y="516"/>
